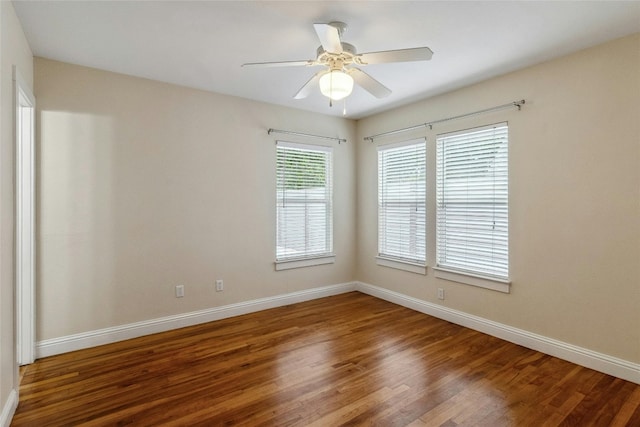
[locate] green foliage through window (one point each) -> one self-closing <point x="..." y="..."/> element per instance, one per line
<point x="301" y="169"/>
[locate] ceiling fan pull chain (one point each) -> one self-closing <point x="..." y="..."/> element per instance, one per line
<point x="330" y="88"/>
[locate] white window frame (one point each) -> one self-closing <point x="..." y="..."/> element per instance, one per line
<point x="455" y="267"/>
<point x="285" y="261"/>
<point x="414" y="260"/>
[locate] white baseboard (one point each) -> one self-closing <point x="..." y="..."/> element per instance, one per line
<point x="591" y="359"/>
<point x="133" y="330"/>
<point x="9" y="409"/>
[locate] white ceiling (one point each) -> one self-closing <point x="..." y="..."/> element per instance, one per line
<point x="202" y="44"/>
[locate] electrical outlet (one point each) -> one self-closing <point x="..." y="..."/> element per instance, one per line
<point x="219" y="285"/>
<point x="440" y="293"/>
<point x="179" y="291"/>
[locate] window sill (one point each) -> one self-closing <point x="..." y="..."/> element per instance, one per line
<point x="304" y="262"/>
<point x="473" y="280"/>
<point x="409" y="266"/>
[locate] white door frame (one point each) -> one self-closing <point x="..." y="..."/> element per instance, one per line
<point x="25" y="104"/>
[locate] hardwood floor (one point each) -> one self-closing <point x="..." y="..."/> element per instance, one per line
<point x="350" y="359"/>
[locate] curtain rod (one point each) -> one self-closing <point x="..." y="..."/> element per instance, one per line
<point x="340" y="140"/>
<point x="517" y="104"/>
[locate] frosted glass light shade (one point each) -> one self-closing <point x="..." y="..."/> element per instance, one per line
<point x="336" y="85"/>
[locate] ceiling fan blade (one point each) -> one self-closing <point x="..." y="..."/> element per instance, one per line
<point x="307" y="62"/>
<point x="309" y="86"/>
<point x="400" y="55"/>
<point x="368" y="83"/>
<point x="329" y="37"/>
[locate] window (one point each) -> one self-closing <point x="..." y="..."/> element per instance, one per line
<point x="304" y="211"/>
<point x="472" y="201"/>
<point x="401" y="204"/>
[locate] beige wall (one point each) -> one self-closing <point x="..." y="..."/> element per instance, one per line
<point x="14" y="50"/>
<point x="145" y="185"/>
<point x="574" y="198"/>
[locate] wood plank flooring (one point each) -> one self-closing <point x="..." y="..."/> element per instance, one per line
<point x="350" y="359"/>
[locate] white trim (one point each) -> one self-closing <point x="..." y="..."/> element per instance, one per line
<point x="9" y="409"/>
<point x="496" y="284"/>
<point x="301" y="146"/>
<point x="398" y="264"/>
<point x="17" y="77"/>
<point x="473" y="129"/>
<point x="89" y="339"/>
<point x="402" y="143"/>
<point x="591" y="359"/>
<point x="25" y="221"/>
<point x="287" y="264"/>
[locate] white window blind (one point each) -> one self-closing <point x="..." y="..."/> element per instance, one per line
<point x="304" y="208"/>
<point x="402" y="201"/>
<point x="472" y="201"/>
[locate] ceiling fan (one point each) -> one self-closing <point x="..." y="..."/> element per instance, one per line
<point x="337" y="79"/>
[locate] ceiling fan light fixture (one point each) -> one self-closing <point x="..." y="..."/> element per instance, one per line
<point x="336" y="84"/>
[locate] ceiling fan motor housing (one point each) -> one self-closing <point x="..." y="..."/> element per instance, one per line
<point x="340" y="26"/>
<point x="336" y="61"/>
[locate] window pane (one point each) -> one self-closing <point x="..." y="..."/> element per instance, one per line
<point x="472" y="201"/>
<point x="304" y="212"/>
<point x="401" y="201"/>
